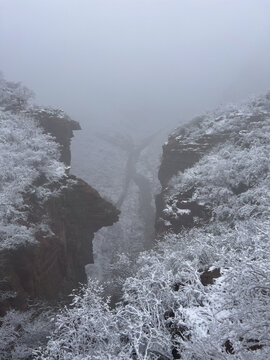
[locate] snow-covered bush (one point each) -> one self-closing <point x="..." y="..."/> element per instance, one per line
<point x="87" y="330"/>
<point x="27" y="155"/>
<point x="22" y="332"/>
<point x="168" y="311"/>
<point x="233" y="179"/>
<point x="218" y="176"/>
<point x="14" y="96"/>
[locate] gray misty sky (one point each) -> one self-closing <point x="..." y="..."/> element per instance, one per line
<point x="138" y="61"/>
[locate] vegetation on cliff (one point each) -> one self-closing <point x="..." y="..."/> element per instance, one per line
<point x="204" y="292"/>
<point x="47" y="219"/>
<point x="30" y="164"/>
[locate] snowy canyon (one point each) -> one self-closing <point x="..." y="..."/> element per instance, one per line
<point x="183" y="252"/>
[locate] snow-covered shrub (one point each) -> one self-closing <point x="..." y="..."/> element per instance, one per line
<point x="26" y="156"/>
<point x="22" y="332"/>
<point x="87" y="330"/>
<point x="14" y="96"/>
<point x="167" y="310"/>
<point x="233" y="179"/>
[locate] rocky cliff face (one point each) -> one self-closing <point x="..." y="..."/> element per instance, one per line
<point x="63" y="218"/>
<point x="179" y="154"/>
<point x="54" y="266"/>
<point x="59" y="125"/>
<point x="234" y="128"/>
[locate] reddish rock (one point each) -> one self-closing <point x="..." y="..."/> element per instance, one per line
<point x="54" y="266"/>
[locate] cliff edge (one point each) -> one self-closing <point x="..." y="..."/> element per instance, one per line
<point x="48" y="217"/>
<point x="211" y="165"/>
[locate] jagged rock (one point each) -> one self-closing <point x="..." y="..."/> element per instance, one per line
<point x="54" y="266"/>
<point x="187" y="145"/>
<point x="179" y="155"/>
<point x="59" y="125"/>
<point x="63" y="220"/>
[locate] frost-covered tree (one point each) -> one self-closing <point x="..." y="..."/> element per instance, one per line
<point x="27" y="155"/>
<point x="86" y="330"/>
<point x="169" y="311"/>
<point x="22" y="332"/>
<point x="14" y="96"/>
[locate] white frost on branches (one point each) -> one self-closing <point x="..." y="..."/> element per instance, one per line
<point x="26" y="154"/>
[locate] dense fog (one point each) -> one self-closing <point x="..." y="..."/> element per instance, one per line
<point x="155" y="62"/>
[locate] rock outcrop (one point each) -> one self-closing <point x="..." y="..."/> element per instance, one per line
<point x="180" y="153"/>
<point x="63" y="218"/>
<point x="59" y="125"/>
<point x="177" y="208"/>
<point x="54" y="266"/>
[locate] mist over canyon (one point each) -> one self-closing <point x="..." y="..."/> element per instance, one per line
<point x="134" y="183"/>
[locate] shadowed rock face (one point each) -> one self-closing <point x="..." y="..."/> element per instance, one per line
<point x="177" y="209"/>
<point x="180" y="154"/>
<point x="55" y="266"/>
<point x="51" y="268"/>
<point x="60" y="127"/>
